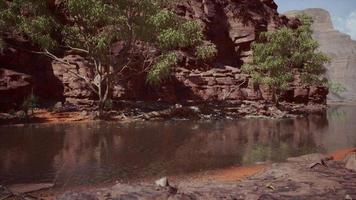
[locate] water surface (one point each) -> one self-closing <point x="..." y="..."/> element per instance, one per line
<point x="89" y="153"/>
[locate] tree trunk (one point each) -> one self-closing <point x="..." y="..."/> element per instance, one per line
<point x="100" y="95"/>
<point x="276" y="97"/>
<point x="102" y="101"/>
<point x="277" y="100"/>
<point x="103" y="95"/>
<point x="101" y="108"/>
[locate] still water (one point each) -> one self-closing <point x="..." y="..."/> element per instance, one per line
<point x="89" y="153"/>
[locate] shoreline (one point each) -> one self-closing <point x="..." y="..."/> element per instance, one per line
<point x="297" y="178"/>
<point x="233" y="174"/>
<point x="341" y="103"/>
<point x="248" y="109"/>
<point x="220" y="178"/>
<point x="48" y="116"/>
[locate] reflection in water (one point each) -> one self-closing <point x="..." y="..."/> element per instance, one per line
<point x="84" y="153"/>
<point x="341" y="131"/>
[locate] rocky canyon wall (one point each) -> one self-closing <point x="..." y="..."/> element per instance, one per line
<point x="232" y="25"/>
<point x="340" y="47"/>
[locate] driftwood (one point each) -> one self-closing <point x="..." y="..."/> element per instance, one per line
<point x="22" y="190"/>
<point x="322" y="162"/>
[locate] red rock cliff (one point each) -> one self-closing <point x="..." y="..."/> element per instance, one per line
<point x="232" y="25"/>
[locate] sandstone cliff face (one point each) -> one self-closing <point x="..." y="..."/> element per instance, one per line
<point x="340" y="47"/>
<point x="232" y="25"/>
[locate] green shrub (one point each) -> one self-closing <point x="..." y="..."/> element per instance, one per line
<point x="206" y="51"/>
<point x="279" y="53"/>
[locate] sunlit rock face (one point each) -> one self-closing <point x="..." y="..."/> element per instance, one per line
<point x="340" y="47"/>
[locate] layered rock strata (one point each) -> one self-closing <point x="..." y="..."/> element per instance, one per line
<point x="231" y="25"/>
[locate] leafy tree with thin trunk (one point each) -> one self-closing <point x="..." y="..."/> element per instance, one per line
<point x="278" y="54"/>
<point x="150" y="36"/>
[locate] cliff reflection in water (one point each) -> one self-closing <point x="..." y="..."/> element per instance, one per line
<point x="91" y="153"/>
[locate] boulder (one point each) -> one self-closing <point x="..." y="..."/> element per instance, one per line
<point x="350" y="161"/>
<point x="163" y="182"/>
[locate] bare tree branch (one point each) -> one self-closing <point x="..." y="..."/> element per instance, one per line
<point x="63" y="61"/>
<point x="77" y="49"/>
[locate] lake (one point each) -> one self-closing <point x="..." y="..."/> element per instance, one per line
<point x="90" y="153"/>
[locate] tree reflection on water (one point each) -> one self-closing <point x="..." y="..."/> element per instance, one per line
<point x="84" y="153"/>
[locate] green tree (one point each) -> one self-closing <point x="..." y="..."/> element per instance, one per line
<point x="149" y="33"/>
<point x="279" y="54"/>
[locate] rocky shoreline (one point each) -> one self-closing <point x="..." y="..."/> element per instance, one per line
<point x="142" y="111"/>
<point x="312" y="176"/>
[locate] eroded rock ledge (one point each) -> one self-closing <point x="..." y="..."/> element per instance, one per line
<point x="306" y="177"/>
